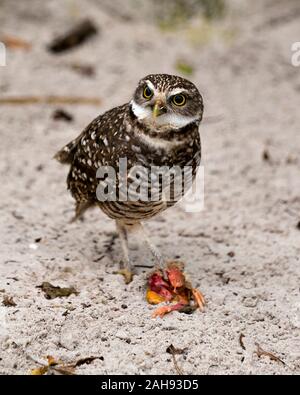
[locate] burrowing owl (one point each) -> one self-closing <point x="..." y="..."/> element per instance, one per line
<point x="158" y="127"/>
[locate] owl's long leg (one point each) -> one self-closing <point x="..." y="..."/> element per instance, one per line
<point x="126" y="268"/>
<point x="154" y="250"/>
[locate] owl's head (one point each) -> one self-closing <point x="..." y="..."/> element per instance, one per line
<point x="164" y="100"/>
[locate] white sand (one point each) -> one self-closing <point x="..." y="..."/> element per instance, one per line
<point x="252" y="206"/>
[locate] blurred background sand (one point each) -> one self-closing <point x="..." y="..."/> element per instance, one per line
<point x="242" y="251"/>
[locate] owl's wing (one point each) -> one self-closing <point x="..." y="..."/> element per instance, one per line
<point x="96" y="146"/>
<point x="99" y="129"/>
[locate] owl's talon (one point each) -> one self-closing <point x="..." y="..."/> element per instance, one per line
<point x="127" y="274"/>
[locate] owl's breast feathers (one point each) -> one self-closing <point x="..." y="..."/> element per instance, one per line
<point x="118" y="134"/>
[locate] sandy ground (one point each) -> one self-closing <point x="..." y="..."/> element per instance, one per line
<point x="242" y="65"/>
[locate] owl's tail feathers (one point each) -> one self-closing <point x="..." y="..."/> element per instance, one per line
<point x="80" y="209"/>
<point x="66" y="154"/>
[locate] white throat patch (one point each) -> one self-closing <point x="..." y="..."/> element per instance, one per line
<point x="173" y="120"/>
<point x="139" y="111"/>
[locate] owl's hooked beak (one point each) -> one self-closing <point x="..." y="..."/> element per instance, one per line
<point x="159" y="108"/>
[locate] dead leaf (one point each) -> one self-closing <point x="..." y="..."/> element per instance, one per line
<point x="8" y="301"/>
<point x="260" y="352"/>
<point x="62" y="115"/>
<point x="74" y="37"/>
<point x="52" y="292"/>
<point x="56" y="367"/>
<point x="51" y="370"/>
<point x="86" y="361"/>
<point x="39" y="371"/>
<point x="52" y="361"/>
<point x="175" y="351"/>
<point x="63" y="370"/>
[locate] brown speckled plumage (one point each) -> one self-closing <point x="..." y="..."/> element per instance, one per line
<point x="119" y="134"/>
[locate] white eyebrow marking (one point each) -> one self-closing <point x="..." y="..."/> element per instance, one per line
<point x="176" y="91"/>
<point x="151" y="86"/>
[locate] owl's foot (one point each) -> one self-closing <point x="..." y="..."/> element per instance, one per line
<point x="127" y="274"/>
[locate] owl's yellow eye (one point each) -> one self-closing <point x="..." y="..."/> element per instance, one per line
<point x="179" y="100"/>
<point x="147" y="93"/>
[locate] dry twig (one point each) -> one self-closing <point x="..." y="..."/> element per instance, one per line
<point x="241" y="341"/>
<point x="260" y="352"/>
<point x="175" y="351"/>
<point x="56" y="100"/>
